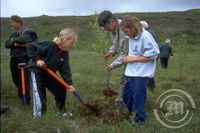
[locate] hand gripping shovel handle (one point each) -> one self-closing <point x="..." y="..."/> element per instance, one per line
<point x="68" y="87"/>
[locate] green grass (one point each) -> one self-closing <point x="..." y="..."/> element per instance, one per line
<point x="90" y="79"/>
<point x="90" y="76"/>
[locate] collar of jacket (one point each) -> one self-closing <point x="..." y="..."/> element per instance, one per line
<point x="60" y="50"/>
<point x="139" y="34"/>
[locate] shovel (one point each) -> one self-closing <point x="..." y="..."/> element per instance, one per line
<point x="22" y="66"/>
<point x="68" y="87"/>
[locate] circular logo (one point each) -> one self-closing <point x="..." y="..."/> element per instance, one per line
<point x="174" y="108"/>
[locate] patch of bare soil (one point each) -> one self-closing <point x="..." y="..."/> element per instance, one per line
<point x="103" y="110"/>
<point x="109" y="92"/>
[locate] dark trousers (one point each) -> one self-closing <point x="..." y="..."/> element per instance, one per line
<point x="16" y="75"/>
<point x="151" y="83"/>
<point x="40" y="82"/>
<point x="164" y="62"/>
<point x="134" y="97"/>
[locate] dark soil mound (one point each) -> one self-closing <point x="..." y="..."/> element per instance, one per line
<point x="109" y="93"/>
<point x="102" y="109"/>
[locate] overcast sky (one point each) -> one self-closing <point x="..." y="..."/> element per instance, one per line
<point x="29" y="8"/>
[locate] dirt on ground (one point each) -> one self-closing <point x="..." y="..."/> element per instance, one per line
<point x="103" y="109"/>
<point x="109" y="92"/>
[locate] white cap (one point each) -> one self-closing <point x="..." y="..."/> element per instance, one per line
<point x="167" y="41"/>
<point x="144" y="24"/>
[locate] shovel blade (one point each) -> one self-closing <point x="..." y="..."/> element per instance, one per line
<point x="78" y="97"/>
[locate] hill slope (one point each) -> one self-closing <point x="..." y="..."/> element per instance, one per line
<point x="166" y="24"/>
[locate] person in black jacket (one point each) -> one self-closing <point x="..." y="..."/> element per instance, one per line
<point x="17" y="43"/>
<point x="165" y="53"/>
<point x="54" y="55"/>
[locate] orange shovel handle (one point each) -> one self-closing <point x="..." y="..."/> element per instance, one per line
<point x="21" y="66"/>
<point x="68" y="87"/>
<point x="23" y="82"/>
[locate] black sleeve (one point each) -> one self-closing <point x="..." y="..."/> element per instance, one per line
<point x="23" y="39"/>
<point x="35" y="50"/>
<point x="9" y="43"/>
<point x="65" y="70"/>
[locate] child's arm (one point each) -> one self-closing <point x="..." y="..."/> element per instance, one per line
<point x="129" y="59"/>
<point x="65" y="70"/>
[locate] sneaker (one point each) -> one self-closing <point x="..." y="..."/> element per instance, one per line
<point x="64" y="114"/>
<point x="67" y="114"/>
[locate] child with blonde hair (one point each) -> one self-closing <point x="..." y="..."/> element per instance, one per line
<point x="54" y="55"/>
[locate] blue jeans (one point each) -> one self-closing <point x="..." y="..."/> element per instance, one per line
<point x="134" y="97"/>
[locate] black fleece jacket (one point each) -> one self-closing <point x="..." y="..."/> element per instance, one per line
<point x="52" y="56"/>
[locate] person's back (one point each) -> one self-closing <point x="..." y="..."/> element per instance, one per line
<point x="153" y="33"/>
<point x="165" y="52"/>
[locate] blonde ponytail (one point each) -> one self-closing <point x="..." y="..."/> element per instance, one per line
<point x="64" y="34"/>
<point x="56" y="40"/>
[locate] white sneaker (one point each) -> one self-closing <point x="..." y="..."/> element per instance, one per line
<point x="67" y="114"/>
<point x="64" y="114"/>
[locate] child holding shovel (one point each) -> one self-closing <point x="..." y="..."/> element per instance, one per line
<point x="141" y="65"/>
<point x="54" y="55"/>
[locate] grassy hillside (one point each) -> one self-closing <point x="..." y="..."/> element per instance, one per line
<point x="174" y="25"/>
<point x="90" y="77"/>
